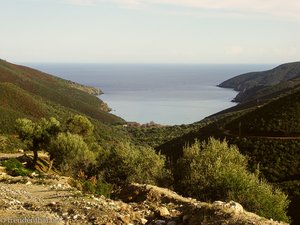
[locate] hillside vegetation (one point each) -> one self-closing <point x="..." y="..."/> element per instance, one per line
<point x="37" y="89"/>
<point x="264" y="126"/>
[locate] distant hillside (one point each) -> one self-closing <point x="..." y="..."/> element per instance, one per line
<point x="278" y="118"/>
<point x="262" y="85"/>
<point x="25" y="91"/>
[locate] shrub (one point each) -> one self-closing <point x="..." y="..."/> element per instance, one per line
<point x="213" y="170"/>
<point x="129" y="163"/>
<point x="3" y="143"/>
<point x="80" y="125"/>
<point x="99" y="187"/>
<point x="16" y="168"/>
<point x="70" y="153"/>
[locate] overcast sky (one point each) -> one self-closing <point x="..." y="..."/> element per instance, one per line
<point x="150" y="31"/>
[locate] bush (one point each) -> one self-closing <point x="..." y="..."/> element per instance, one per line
<point x="3" y="143"/>
<point x="215" y="171"/>
<point x="99" y="187"/>
<point x="129" y="163"/>
<point x="92" y="185"/>
<point x="16" y="168"/>
<point x="70" y="153"/>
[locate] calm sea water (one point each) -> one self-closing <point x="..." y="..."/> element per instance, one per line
<point x="165" y="94"/>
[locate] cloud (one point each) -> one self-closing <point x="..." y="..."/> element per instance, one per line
<point x="124" y="3"/>
<point x="275" y="8"/>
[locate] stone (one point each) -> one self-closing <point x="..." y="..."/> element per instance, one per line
<point x="237" y="207"/>
<point x="125" y="219"/>
<point x="144" y="221"/>
<point x="219" y="203"/>
<point x="163" y="211"/>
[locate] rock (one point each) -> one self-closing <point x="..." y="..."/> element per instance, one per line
<point x="171" y="223"/>
<point x="163" y="211"/>
<point x="238" y="208"/>
<point x="125" y="219"/>
<point x="144" y="221"/>
<point x="219" y="203"/>
<point x="34" y="174"/>
<point x="28" y="183"/>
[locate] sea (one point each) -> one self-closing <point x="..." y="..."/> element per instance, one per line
<point x="167" y="94"/>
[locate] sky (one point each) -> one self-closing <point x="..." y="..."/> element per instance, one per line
<point x="150" y="31"/>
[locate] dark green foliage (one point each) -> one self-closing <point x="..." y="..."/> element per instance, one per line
<point x="215" y="171"/>
<point x="279" y="159"/>
<point x="277" y="118"/>
<point x="157" y="135"/>
<point x="16" y="168"/>
<point x="293" y="189"/>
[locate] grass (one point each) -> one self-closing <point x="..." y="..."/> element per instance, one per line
<point x="15" y="168"/>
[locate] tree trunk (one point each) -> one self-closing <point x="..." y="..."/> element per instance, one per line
<point x="35" y="158"/>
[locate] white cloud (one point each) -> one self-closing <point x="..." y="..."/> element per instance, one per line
<point x="277" y="8"/>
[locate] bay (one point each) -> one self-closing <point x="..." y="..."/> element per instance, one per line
<point x="164" y="93"/>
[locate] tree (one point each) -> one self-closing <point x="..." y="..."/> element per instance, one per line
<point x="37" y="135"/>
<point x="80" y="125"/>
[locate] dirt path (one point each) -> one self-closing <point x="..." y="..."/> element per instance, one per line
<point x="51" y="200"/>
<point x="228" y="133"/>
<point x="55" y="202"/>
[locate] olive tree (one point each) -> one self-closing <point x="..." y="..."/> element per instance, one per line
<point x="37" y="135"/>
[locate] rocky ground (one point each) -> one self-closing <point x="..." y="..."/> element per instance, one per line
<point x="51" y="200"/>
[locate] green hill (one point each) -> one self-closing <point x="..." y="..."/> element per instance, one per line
<point x="262" y="85"/>
<point x="28" y="93"/>
<point x="41" y="87"/>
